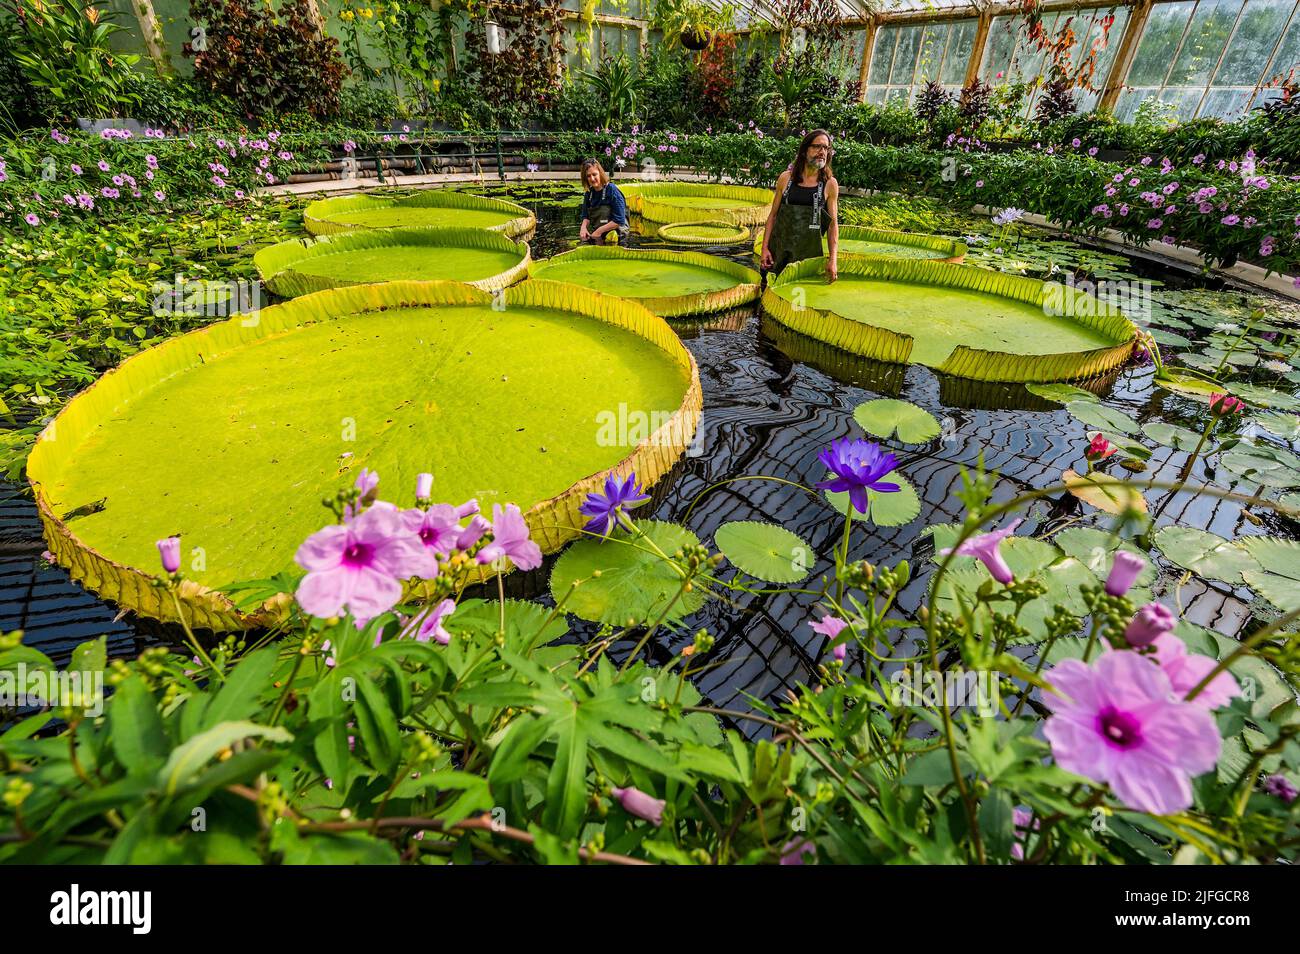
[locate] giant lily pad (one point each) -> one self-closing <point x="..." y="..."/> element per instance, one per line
<point x="1206" y="554"/>
<point x="666" y="202"/>
<point x="671" y="284"/>
<point x="765" y="551"/>
<point x="484" y="259"/>
<point x="442" y="207"/>
<point x="703" y="233"/>
<point x="885" y="243"/>
<point x="232" y="434"/>
<point x="964" y="321"/>
<point x="1278" y="576"/>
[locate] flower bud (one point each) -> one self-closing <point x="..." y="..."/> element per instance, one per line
<point x="1149" y="624"/>
<point x="1124" y="572"/>
<point x="423" y="486"/>
<point x="169" y="550"/>
<point x="638" y="803"/>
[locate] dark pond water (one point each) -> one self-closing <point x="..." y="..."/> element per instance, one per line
<point x="772" y="400"/>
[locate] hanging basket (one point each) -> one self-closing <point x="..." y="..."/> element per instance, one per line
<point x="696" y="38"/>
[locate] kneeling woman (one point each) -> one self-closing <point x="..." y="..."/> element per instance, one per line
<point x="805" y="208"/>
<point x="604" y="209"/>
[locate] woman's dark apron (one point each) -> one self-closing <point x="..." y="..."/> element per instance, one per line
<point x="598" y="215"/>
<point x="798" y="229"/>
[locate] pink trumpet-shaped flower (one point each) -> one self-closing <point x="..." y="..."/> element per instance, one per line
<point x="638" y="803"/>
<point x="510" y="539"/>
<point x="1115" y="722"/>
<point x="985" y="547"/>
<point x="1124" y="571"/>
<point x="428" y="625"/>
<point x="793" y="851"/>
<point x="831" y="627"/>
<point x="359" y="565"/>
<point x="1149" y="624"/>
<point x="169" y="551"/>
<point x="1185" y="671"/>
<point x="438" y="529"/>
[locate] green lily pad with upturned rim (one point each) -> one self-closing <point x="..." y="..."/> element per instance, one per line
<point x="431" y="207"/>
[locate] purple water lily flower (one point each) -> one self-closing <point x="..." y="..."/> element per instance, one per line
<point x="858" y="466"/>
<point x="985" y="548"/>
<point x="609" y="508"/>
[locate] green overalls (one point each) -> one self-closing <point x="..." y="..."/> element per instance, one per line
<point x="798" y="229"/>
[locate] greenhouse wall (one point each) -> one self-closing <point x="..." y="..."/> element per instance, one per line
<point x="1202" y="58"/>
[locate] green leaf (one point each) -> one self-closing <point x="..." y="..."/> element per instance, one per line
<point x="1098" y="417"/>
<point x="883" y="509"/>
<point x="765" y="551"/>
<point x="1171" y="435"/>
<point x="1206" y="554"/>
<point x="378" y="723"/>
<point x="995" y="821"/>
<point x="635" y="585"/>
<point x="1278" y="578"/>
<point x="510" y="759"/>
<point x="1061" y="393"/>
<point x="935" y="768"/>
<point x="885" y="416"/>
<point x="237" y="698"/>
<point x="188" y="758"/>
<point x="135" y="727"/>
<point x="566" y="787"/>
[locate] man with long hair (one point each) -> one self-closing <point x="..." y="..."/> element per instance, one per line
<point x="604" y="209"/>
<point x="804" y="209"/>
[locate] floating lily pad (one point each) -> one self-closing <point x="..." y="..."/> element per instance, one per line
<point x="484" y="259"/>
<point x="1285" y="426"/>
<point x="885" y="416"/>
<point x="765" y="551"/>
<point x="635" y="584"/>
<point x="1278" y="576"/>
<point x="671" y="284"/>
<point x="231" y="435"/>
<point x="892" y="509"/>
<point x="1061" y="393"/>
<point x="1099" y="417"/>
<point x="1263" y="465"/>
<point x="963" y="321"/>
<point x="1171" y="435"/>
<point x="1096" y="550"/>
<point x="704" y="233"/>
<point x="666" y="202"/>
<point x="439" y="207"/>
<point x="1206" y="554"/>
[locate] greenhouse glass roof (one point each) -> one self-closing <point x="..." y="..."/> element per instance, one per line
<point x="858" y="9"/>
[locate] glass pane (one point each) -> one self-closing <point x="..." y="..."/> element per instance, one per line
<point x="1206" y="38"/>
<point x="1288" y="53"/>
<point x="960" y="44"/>
<point x="909" y="40"/>
<point x="883" y="56"/>
<point x="1184" y="100"/>
<point x="875" y="94"/>
<point x="1130" y="100"/>
<point x="1253" y="43"/>
<point x="932" y="47"/>
<point x="1226" y="103"/>
<point x="1001" y="44"/>
<point x="1109" y="47"/>
<point x="1160" y="37"/>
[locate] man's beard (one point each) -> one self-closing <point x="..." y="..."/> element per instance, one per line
<point x="818" y="163"/>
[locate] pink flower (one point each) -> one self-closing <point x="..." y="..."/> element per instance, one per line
<point x="429" y="624"/>
<point x="1149" y="624"/>
<point x="986" y="548"/>
<point x="831" y="627"/>
<point x="1114" y="722"/>
<point x="510" y="539"/>
<point x="1124" y="572"/>
<point x="1222" y="405"/>
<point x="358" y="565"/>
<point x="793" y="851"/>
<point x="638" y="803"/>
<point x="1099" y="448"/>
<point x="32" y="219"/>
<point x="1186" y="670"/>
<point x="169" y="551"/>
<point x="438" y="529"/>
<point x="423" y="486"/>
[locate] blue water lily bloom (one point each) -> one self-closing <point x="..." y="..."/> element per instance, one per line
<point x="609" y="508"/>
<point x="857" y="466"/>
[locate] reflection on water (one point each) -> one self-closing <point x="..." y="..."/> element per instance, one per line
<point x="772" y="400"/>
